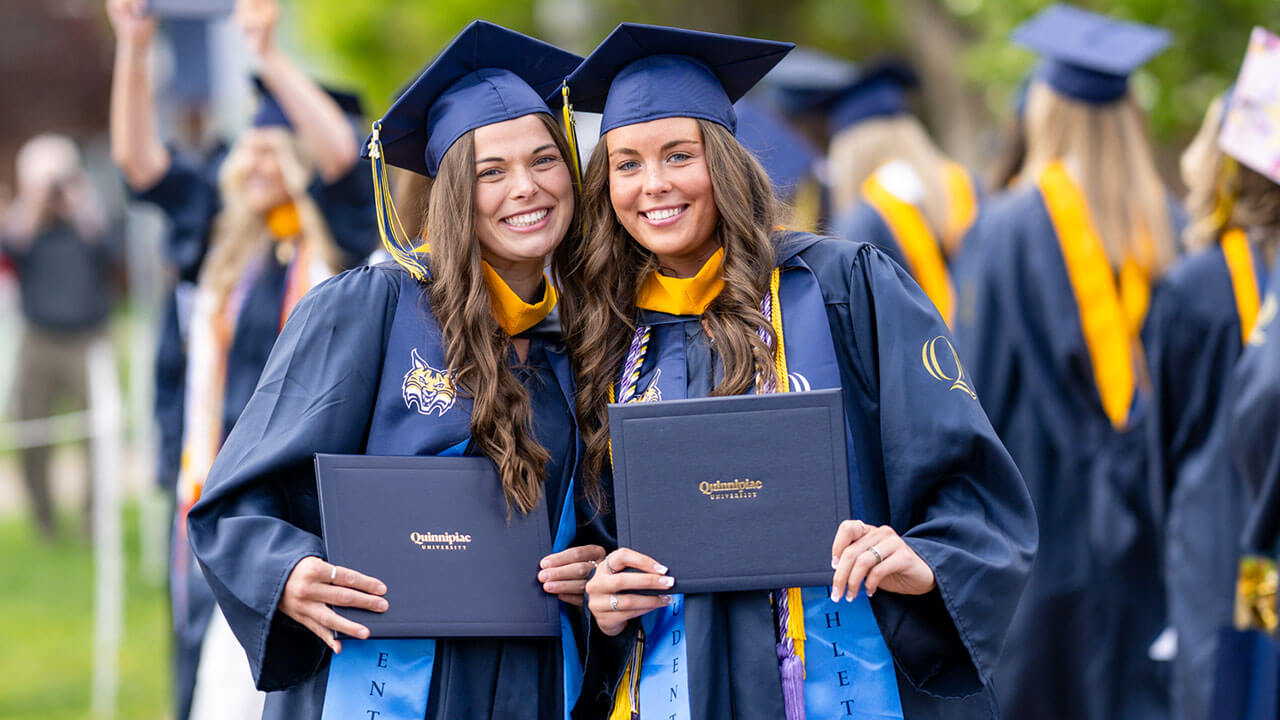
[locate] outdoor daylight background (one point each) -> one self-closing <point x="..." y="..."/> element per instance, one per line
<point x="55" y="75"/>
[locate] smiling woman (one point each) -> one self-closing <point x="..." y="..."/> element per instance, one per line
<point x="452" y="351"/>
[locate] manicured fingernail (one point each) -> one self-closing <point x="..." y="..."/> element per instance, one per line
<point x="542" y="576"/>
<point x="660" y="568"/>
<point x="835" y="562"/>
<point x="871" y="593"/>
<point x="668" y="581"/>
<point x="666" y="599"/>
<point x="835" y="596"/>
<point x="851" y="594"/>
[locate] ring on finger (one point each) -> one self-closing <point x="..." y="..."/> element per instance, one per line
<point x="876" y="552"/>
<point x="613" y="602"/>
<point x="608" y="565"/>
<point x="333" y="573"/>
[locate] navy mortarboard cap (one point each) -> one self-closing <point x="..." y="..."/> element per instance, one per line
<point x="805" y="80"/>
<point x="786" y="156"/>
<point x="648" y="72"/>
<point x="488" y="74"/>
<point x="880" y="91"/>
<point x="1088" y="56"/>
<point x="270" y="114"/>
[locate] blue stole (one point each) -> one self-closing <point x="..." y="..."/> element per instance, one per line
<point x="849" y="672"/>
<point x="418" y="412"/>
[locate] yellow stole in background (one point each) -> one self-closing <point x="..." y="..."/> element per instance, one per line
<point x="1111" y="313"/>
<point x="919" y="247"/>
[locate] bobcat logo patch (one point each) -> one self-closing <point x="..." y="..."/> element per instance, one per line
<point x="651" y="393"/>
<point x="431" y="390"/>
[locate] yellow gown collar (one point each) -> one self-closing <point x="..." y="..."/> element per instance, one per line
<point x="683" y="296"/>
<point x="512" y="313"/>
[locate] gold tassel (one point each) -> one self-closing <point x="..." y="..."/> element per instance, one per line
<point x="1256" y="595"/>
<point x="571" y="131"/>
<point x="394" y="237"/>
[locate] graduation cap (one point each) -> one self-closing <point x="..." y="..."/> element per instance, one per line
<point x="1088" y="56"/>
<point x="805" y="79"/>
<point x="1251" y="118"/>
<point x="648" y="72"/>
<point x="786" y="156"/>
<point x="271" y="114"/>
<point x="880" y="91"/>
<point x="488" y="74"/>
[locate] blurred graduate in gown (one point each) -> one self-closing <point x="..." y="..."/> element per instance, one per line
<point x="287" y="208"/>
<point x="892" y="187"/>
<point x="1052" y="339"/>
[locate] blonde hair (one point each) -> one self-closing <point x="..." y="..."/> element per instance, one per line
<point x="240" y="233"/>
<point x="857" y="152"/>
<point x="1222" y="194"/>
<point x="1108" y="150"/>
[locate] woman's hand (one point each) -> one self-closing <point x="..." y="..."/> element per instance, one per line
<point x="134" y="28"/>
<point x="257" y="20"/>
<point x="565" y="573"/>
<point x="880" y="558"/>
<point x="607" y="596"/>
<point x="315" y="585"/>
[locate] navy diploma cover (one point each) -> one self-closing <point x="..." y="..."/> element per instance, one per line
<point x="733" y="493"/>
<point x="436" y="530"/>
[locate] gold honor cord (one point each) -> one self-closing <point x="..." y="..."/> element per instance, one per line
<point x="394" y="237"/>
<point x="571" y="132"/>
<point x="1244" y="280"/>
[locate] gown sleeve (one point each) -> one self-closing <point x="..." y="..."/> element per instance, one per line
<point x="347" y="207"/>
<point x="188" y="197"/>
<point x="949" y="487"/>
<point x="258" y="515"/>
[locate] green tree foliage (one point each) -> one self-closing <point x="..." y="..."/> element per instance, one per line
<point x="378" y="45"/>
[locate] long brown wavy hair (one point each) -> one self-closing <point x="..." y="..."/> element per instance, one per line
<point x="476" y="347"/>
<point x="606" y="268"/>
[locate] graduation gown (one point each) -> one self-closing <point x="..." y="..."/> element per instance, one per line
<point x="335" y="384"/>
<point x="924" y="460"/>
<point x="1200" y="313"/>
<point x="1078" y="646"/>
<point x="189" y="197"/>
<point x="1255" y="427"/>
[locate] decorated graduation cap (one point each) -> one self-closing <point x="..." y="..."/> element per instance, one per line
<point x="487" y="75"/>
<point x="648" y="72"/>
<point x="879" y="91"/>
<point x="271" y="114"/>
<point x="786" y="156"/>
<point x="1251" y="120"/>
<point x="1088" y="56"/>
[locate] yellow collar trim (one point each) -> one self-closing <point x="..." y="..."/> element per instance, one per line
<point x="284" y="222"/>
<point x="512" y="313"/>
<point x="1107" y="313"/>
<point x="683" y="296"/>
<point x="919" y="248"/>
<point x="1244" y="279"/>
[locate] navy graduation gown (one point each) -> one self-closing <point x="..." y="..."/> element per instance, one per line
<point x="1193" y="339"/>
<point x="927" y="463"/>
<point x="1255" y="428"/>
<point x="1079" y="643"/>
<point x="333" y="384"/>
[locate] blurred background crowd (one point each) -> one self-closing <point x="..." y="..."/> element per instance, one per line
<point x="96" y="296"/>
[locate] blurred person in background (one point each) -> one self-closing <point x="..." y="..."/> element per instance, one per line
<point x="892" y="186"/>
<point x="55" y="234"/>
<point x="1052" y="340"/>
<point x="288" y="208"/>
<point x="1201" y="314"/>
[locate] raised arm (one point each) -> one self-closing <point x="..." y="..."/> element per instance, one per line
<point x="135" y="144"/>
<point x="320" y="124"/>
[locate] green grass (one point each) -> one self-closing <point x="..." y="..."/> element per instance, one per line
<point x="46" y="628"/>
